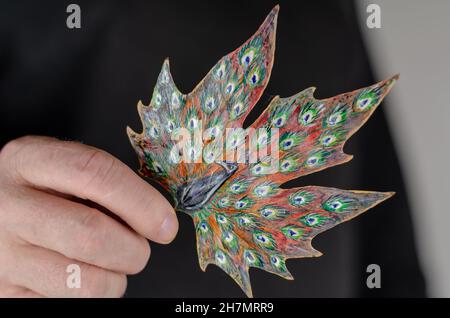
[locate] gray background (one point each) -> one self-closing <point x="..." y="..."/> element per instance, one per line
<point x="414" y="40"/>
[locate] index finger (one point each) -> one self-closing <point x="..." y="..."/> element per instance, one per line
<point x="90" y="173"/>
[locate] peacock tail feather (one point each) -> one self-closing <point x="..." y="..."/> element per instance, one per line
<point x="242" y="216"/>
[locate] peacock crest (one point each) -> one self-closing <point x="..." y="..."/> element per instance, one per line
<point x="242" y="216"/>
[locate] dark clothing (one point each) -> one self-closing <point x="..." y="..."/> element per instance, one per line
<point x="84" y="84"/>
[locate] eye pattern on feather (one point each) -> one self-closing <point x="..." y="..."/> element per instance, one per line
<point x="265" y="189"/>
<point x="243" y="216"/>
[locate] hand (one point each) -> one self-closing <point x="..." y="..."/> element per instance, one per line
<point x="45" y="224"/>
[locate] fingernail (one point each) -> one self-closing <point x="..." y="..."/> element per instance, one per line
<point x="169" y="228"/>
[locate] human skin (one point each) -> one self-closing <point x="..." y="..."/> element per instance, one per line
<point x="48" y="189"/>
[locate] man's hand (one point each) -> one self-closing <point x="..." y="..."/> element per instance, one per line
<point x="44" y="228"/>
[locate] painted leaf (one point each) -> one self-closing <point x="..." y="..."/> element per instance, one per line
<point x="242" y="217"/>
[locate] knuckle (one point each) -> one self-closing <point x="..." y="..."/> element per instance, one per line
<point x="11" y="148"/>
<point x="90" y="242"/>
<point x="11" y="154"/>
<point x="15" y="144"/>
<point x="98" y="282"/>
<point x="96" y="168"/>
<point x="94" y="282"/>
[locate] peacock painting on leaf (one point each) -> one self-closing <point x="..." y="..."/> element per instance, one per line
<point x="243" y="217"/>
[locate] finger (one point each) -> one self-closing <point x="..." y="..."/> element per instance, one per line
<point x="52" y="275"/>
<point x="76" y="231"/>
<point x="26" y="293"/>
<point x="11" y="291"/>
<point x="93" y="174"/>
